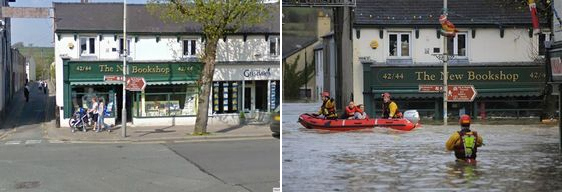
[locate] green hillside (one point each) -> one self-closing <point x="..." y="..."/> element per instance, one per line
<point x="43" y="57"/>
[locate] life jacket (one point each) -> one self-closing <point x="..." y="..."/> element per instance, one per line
<point x="350" y="112"/>
<point x="358" y="109"/>
<point x="329" y="106"/>
<point x="467" y="149"/>
<point x="386" y="110"/>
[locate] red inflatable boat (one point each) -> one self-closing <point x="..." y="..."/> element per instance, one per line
<point x="311" y="122"/>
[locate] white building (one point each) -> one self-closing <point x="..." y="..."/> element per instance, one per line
<point x="30" y="69"/>
<point x="396" y="51"/>
<point x="246" y="77"/>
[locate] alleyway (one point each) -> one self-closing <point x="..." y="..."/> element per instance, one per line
<point x="24" y="120"/>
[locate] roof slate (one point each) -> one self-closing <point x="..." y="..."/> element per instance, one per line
<point x="427" y="12"/>
<point x="109" y="17"/>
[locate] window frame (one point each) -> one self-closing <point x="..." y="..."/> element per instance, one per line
<point x="88" y="40"/>
<point x="192" y="52"/>
<point x="398" y="41"/>
<point x="456" y="45"/>
<point x="121" y="48"/>
<point x="275" y="40"/>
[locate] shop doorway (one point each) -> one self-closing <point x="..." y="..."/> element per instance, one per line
<point x="128" y="106"/>
<point x="249" y="97"/>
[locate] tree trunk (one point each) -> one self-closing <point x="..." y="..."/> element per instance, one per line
<point x="205" y="83"/>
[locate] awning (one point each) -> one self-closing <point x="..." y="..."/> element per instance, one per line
<point x="95" y="83"/>
<point x="170" y="82"/>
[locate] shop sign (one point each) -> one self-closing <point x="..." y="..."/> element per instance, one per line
<point x="95" y="71"/>
<point x="250" y="73"/>
<point x="478" y="76"/>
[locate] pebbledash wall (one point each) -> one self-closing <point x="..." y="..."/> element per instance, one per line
<point x="246" y="77"/>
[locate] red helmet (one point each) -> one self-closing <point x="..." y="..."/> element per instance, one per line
<point x="386" y="95"/>
<point x="464" y="120"/>
<point x="325" y="94"/>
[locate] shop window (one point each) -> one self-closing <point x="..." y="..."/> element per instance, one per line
<point x="121" y="48"/>
<point x="457" y="45"/>
<point x="274" y="46"/>
<point x="225" y="97"/>
<point x="167" y="101"/>
<point x="82" y="98"/>
<point x="87" y="45"/>
<point x="189" y="47"/>
<point x="399" y="45"/>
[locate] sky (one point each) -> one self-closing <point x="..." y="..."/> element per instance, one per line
<point x="39" y="32"/>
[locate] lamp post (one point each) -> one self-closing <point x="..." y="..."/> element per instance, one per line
<point x="125" y="48"/>
<point x="445" y="76"/>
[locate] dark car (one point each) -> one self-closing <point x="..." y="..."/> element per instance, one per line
<point x="275" y="121"/>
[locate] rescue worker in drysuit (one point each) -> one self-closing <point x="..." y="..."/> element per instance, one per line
<point x="464" y="142"/>
<point x="328" y="108"/>
<point x="389" y="108"/>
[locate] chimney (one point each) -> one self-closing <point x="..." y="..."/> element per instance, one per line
<point x="323" y="25"/>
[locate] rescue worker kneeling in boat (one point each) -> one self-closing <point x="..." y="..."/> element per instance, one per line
<point x="389" y="108"/>
<point x="328" y="108"/>
<point x="464" y="142"/>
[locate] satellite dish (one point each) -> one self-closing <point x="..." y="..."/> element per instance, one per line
<point x="2" y="25"/>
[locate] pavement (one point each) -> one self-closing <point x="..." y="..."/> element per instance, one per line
<point x="158" y="133"/>
<point x="45" y="120"/>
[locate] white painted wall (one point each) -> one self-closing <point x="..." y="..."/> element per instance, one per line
<point x="31" y="70"/>
<point x="255" y="48"/>
<point x="486" y="47"/>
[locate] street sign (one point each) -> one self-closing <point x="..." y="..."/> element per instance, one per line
<point x="430" y="88"/>
<point x="135" y="83"/>
<point x="461" y="93"/>
<point x="113" y="78"/>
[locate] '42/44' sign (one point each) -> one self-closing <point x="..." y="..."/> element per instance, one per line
<point x="392" y="76"/>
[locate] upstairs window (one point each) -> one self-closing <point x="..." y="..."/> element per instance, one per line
<point x="121" y="48"/>
<point x="399" y="45"/>
<point x="457" y="45"/>
<point x="189" y="47"/>
<point x="87" y="45"/>
<point x="274" y="46"/>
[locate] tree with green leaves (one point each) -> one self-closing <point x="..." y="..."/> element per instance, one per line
<point x="216" y="19"/>
<point x="294" y="79"/>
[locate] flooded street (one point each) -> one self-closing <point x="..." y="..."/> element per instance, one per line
<point x="514" y="158"/>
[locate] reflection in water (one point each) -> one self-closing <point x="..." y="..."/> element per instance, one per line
<point x="515" y="158"/>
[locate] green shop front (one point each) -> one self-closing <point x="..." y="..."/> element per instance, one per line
<point x="502" y="91"/>
<point x="169" y="97"/>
